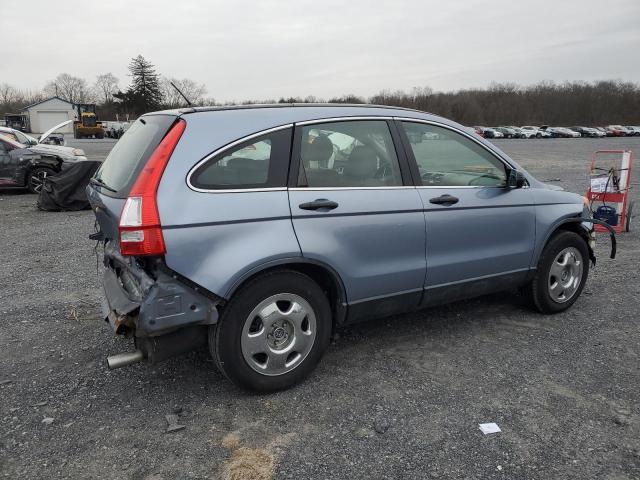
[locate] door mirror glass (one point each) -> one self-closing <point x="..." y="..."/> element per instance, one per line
<point x="516" y="179"/>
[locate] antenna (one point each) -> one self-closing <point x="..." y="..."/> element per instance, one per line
<point x="181" y="94"/>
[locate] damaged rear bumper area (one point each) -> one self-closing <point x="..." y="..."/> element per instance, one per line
<point x="164" y="314"/>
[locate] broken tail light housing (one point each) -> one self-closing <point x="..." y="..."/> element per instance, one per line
<point x="140" y="229"/>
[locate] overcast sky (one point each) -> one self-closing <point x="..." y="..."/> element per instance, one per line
<point x="266" y="49"/>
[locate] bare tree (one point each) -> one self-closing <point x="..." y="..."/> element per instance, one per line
<point x="8" y="94"/>
<point x="194" y="91"/>
<point x="105" y="86"/>
<point x="70" y="88"/>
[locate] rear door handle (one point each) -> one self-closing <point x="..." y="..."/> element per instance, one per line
<point x="319" y="204"/>
<point x="445" y="200"/>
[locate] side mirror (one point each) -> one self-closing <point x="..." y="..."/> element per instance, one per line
<point x="33" y="142"/>
<point x="516" y="179"/>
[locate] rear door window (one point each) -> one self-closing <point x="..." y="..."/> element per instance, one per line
<point x="348" y="154"/>
<point x="260" y="162"/>
<point x="130" y="154"/>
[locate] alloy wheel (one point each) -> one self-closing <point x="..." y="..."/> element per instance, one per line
<point x="278" y="334"/>
<point x="565" y="275"/>
<point x="37" y="180"/>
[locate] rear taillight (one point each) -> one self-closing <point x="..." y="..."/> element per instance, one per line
<point x="140" y="229"/>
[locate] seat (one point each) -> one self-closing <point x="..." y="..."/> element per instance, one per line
<point x="315" y="158"/>
<point x="323" y="177"/>
<point x="361" y="169"/>
<point x="317" y="153"/>
<point x="247" y="171"/>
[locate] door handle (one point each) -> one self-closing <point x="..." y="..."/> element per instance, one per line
<point x="445" y="200"/>
<point x="319" y="204"/>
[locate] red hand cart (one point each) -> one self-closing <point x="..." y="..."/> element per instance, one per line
<point x="608" y="193"/>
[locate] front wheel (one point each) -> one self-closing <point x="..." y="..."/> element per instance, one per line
<point x="561" y="274"/>
<point x="273" y="332"/>
<point x="36" y="178"/>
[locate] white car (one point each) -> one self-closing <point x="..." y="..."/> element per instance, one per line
<point x="635" y="131"/>
<point x="520" y="133"/>
<point x="536" y="132"/>
<point x="40" y="144"/>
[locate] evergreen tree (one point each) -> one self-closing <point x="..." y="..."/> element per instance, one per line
<point x="144" y="93"/>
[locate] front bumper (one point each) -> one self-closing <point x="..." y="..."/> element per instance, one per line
<point x="138" y="303"/>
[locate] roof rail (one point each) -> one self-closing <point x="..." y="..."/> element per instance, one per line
<point x="289" y="105"/>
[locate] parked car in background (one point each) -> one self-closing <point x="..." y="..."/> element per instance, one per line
<point x="506" y="132"/>
<point x="26" y="166"/>
<point x="261" y="257"/>
<point x="520" y="133"/>
<point x="536" y="131"/>
<point x="635" y="131"/>
<point x="489" y="132"/>
<point x="616" y="131"/>
<point x="599" y="133"/>
<point x="587" y="132"/>
<point x="48" y="139"/>
<point x="560" y="132"/>
<point x="115" y="129"/>
<point x="627" y="132"/>
<point x="478" y="131"/>
<point x="43" y="143"/>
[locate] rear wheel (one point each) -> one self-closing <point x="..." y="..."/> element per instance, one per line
<point x="36" y="178"/>
<point x="562" y="271"/>
<point x="273" y="332"/>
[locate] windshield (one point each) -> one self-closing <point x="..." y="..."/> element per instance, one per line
<point x="126" y="159"/>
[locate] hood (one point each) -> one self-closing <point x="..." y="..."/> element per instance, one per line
<point x="53" y="129"/>
<point x="551" y="186"/>
<point x="67" y="152"/>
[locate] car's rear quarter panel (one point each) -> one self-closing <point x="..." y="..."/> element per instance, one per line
<point x="214" y="238"/>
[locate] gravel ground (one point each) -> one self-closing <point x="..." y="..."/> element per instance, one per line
<point x="399" y="398"/>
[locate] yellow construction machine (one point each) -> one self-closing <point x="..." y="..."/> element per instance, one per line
<point x="87" y="125"/>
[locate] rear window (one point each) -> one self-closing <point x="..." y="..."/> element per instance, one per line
<point x="261" y="162"/>
<point x="128" y="156"/>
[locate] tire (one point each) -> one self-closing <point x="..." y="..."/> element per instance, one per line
<point x="36" y="176"/>
<point x="540" y="291"/>
<point x="100" y="135"/>
<point x="627" y="225"/>
<point x="251" y="359"/>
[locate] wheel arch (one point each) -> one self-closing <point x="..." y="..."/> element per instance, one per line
<point x="25" y="167"/>
<point x="324" y="275"/>
<point x="568" y="224"/>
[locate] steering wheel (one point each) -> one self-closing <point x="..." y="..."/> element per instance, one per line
<point x="474" y="181"/>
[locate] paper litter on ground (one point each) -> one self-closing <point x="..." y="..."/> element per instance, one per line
<point x="488" y="428"/>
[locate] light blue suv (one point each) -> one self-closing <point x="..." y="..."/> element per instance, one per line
<point x="258" y="230"/>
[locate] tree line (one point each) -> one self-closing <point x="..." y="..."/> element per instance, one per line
<point x="146" y="92"/>
<point x="569" y="103"/>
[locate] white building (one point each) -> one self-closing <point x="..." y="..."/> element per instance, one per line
<point x="48" y="113"/>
